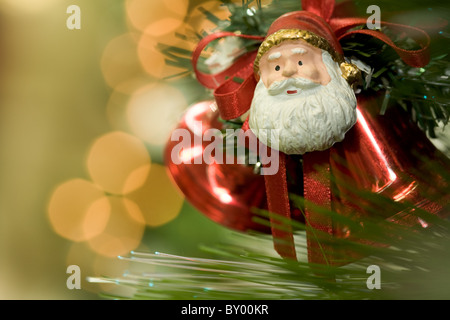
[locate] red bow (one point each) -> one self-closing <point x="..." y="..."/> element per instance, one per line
<point x="234" y="99"/>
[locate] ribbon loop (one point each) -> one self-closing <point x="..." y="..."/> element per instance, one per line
<point x="232" y="97"/>
<point x="415" y="58"/>
<point x="324" y="8"/>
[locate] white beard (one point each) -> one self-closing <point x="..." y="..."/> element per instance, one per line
<point x="313" y="120"/>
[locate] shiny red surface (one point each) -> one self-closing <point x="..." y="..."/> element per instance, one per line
<point x="225" y="193"/>
<point x="388" y="155"/>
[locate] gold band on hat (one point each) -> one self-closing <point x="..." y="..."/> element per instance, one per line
<point x="351" y="73"/>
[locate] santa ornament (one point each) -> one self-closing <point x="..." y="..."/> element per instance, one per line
<point x="297" y="97"/>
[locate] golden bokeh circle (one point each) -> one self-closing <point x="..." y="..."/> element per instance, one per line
<point x="122" y="234"/>
<point x="198" y="20"/>
<point x="142" y="13"/>
<point x="78" y="210"/>
<point x="154" y="110"/>
<point x="159" y="201"/>
<point x="118" y="162"/>
<point x="120" y="64"/>
<point x="151" y="50"/>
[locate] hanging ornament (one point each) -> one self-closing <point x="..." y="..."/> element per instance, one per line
<point x="296" y="95"/>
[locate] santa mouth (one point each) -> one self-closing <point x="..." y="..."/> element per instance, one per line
<point x="291" y="91"/>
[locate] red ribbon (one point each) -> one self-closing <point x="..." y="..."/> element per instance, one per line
<point x="414" y="58"/>
<point x="234" y="99"/>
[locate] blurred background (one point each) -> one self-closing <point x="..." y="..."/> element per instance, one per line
<point x="84" y="116"/>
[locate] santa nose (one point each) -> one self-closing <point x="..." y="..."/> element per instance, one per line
<point x="289" y="69"/>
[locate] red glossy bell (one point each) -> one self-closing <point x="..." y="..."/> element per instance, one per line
<point x="227" y="192"/>
<point x="390" y="156"/>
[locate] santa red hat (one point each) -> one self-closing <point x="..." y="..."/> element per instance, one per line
<point x="314" y="30"/>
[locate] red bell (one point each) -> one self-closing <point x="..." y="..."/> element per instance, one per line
<point x="225" y="193"/>
<point x="390" y="156"/>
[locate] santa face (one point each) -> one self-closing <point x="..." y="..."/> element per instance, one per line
<point x="301" y="103"/>
<point x="293" y="59"/>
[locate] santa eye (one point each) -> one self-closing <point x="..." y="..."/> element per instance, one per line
<point x="300" y="63"/>
<point x="277" y="68"/>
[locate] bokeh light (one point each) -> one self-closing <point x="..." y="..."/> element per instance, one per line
<point x="152" y="58"/>
<point x="163" y="26"/>
<point x="154" y="110"/>
<point x="116" y="110"/>
<point x="78" y="210"/>
<point x="120" y="64"/>
<point x="144" y="13"/>
<point x="200" y="23"/>
<point x="118" y="162"/>
<point x="122" y="234"/>
<point x="159" y="201"/>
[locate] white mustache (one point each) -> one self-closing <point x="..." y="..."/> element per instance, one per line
<point x="291" y="83"/>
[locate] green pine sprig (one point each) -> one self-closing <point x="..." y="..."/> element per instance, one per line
<point x="415" y="267"/>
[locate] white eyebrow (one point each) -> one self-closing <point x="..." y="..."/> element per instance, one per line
<point x="298" y="51"/>
<point x="274" y="56"/>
